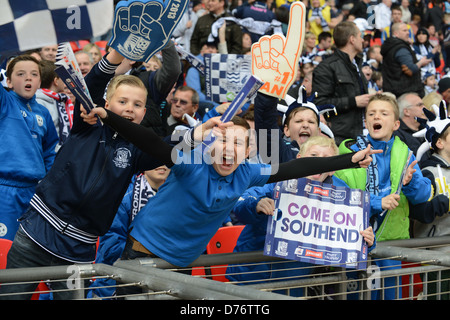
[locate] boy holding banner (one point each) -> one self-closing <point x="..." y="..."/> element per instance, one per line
<point x="394" y="179"/>
<point x="257" y="205"/>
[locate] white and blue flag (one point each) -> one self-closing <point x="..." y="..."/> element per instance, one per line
<point x="26" y="25"/>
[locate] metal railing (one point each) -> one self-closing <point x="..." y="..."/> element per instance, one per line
<point x="424" y="274"/>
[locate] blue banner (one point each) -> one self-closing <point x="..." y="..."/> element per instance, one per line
<point x="319" y="223"/>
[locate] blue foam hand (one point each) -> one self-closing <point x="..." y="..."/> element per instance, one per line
<point x="141" y="28"/>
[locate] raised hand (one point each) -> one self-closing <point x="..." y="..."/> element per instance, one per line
<point x="91" y="117"/>
<point x="409" y="173"/>
<point x="143" y="27"/>
<point x="275" y="58"/>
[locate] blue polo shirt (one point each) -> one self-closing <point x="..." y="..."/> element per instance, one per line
<point x="177" y="223"/>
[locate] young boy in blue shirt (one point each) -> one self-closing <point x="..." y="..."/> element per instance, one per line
<point x="389" y="207"/>
<point x="28" y="138"/>
<point x="206" y="186"/>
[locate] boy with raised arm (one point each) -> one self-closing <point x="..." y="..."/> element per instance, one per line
<point x="390" y="190"/>
<point x="207" y="186"/>
<point x="77" y="200"/>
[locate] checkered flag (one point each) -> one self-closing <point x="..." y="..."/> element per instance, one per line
<point x="225" y="75"/>
<point x="26" y="25"/>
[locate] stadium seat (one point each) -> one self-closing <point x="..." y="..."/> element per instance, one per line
<point x="223" y="241"/>
<point x="5" y="245"/>
<point x="406" y="282"/>
<point x="102" y="44"/>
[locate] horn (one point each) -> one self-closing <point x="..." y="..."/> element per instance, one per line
<point x="424" y="147"/>
<point x="289" y="100"/>
<point x="430" y="115"/>
<point x="442" y="110"/>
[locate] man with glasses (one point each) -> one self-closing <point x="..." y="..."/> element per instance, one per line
<point x="184" y="102"/>
<point x="410" y="107"/>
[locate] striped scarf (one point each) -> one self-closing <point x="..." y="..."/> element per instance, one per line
<point x="317" y="13"/>
<point x="142" y="191"/>
<point x="65" y="111"/>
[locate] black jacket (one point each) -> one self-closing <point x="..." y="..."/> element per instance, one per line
<point x="266" y="120"/>
<point x="202" y="29"/>
<point x="336" y="81"/>
<point x="406" y="135"/>
<point x="91" y="172"/>
<point x="396" y="80"/>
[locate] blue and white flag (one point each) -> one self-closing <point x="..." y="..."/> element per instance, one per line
<point x="225" y="75"/>
<point x="143" y="27"/>
<point x="319" y="223"/>
<point x="26" y="24"/>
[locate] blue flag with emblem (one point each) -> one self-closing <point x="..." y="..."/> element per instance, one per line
<point x="225" y="74"/>
<point x="142" y="28"/>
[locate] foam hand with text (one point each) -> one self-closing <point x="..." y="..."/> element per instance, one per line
<point x="142" y="28"/>
<point x="275" y="58"/>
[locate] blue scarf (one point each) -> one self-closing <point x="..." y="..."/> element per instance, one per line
<point x="372" y="181"/>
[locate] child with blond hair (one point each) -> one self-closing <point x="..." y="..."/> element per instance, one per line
<point x="257" y="205"/>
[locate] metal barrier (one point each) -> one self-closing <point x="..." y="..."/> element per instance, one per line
<point x="424" y="274"/>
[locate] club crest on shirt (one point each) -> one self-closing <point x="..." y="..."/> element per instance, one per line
<point x="40" y="120"/>
<point x="122" y="157"/>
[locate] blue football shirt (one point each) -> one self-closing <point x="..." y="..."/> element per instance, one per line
<point x="177" y="223"/>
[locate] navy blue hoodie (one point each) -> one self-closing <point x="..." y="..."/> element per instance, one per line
<point x="79" y="197"/>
